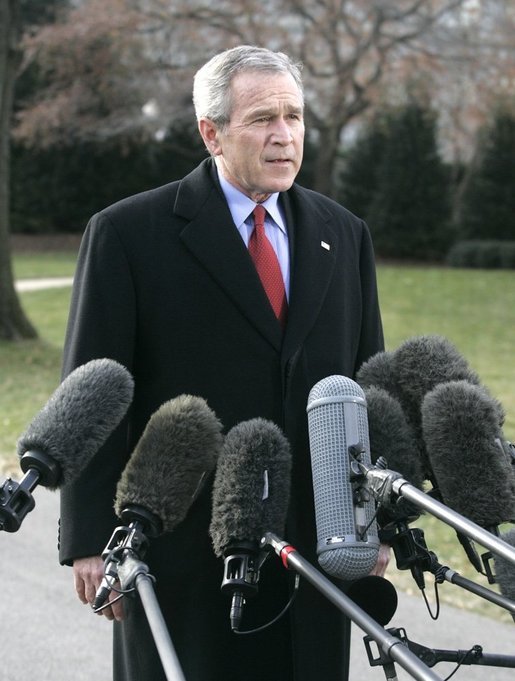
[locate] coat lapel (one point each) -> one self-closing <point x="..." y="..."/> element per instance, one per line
<point x="212" y="238"/>
<point x="314" y="250"/>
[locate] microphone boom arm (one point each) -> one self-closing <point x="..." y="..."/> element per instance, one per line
<point x="388" y="644"/>
<point x="432" y="656"/>
<point x="387" y="485"/>
<point x="133" y="573"/>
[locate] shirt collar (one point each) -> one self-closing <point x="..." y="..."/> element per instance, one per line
<point x="241" y="206"/>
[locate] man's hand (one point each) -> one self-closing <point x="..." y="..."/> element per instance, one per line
<point x="88" y="574"/>
<point x="382" y="560"/>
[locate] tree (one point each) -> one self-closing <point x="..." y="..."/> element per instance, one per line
<point x="359" y="176"/>
<point x="14" y="325"/>
<point x="109" y="67"/>
<point x="410" y="208"/>
<point x="488" y="210"/>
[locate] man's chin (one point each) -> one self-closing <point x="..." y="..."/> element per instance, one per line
<point x="280" y="184"/>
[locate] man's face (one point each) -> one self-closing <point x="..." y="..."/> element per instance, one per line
<point x="260" y="150"/>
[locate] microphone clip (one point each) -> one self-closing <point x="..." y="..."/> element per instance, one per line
<point x="16" y="499"/>
<point x="125" y="539"/>
<point x="241" y="576"/>
<point x="241" y="571"/>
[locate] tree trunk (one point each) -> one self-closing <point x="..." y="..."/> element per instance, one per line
<point x="14" y="325"/>
<point x="325" y="161"/>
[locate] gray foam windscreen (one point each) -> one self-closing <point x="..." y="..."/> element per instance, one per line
<point x="337" y="419"/>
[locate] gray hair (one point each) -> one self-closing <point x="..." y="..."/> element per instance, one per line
<point x="212" y="82"/>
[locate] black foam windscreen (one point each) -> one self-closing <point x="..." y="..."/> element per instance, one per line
<point x="175" y="454"/>
<point x="252" y="485"/>
<point x="78" y="418"/>
<point x="376" y="596"/>
<point x="462" y="431"/>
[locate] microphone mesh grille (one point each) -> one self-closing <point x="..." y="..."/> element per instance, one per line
<point x="337" y="418"/>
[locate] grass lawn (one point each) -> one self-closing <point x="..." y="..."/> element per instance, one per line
<point x="475" y="309"/>
<point x="46" y="264"/>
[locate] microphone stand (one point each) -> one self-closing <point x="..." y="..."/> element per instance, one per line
<point x="133" y="573"/>
<point x="387" y="485"/>
<point x="411" y="552"/>
<point x="392" y="647"/>
<point x="122" y="558"/>
<point x="432" y="656"/>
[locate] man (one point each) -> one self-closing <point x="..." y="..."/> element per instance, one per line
<point x="166" y="285"/>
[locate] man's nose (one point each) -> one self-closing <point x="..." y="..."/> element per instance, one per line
<point x="281" y="132"/>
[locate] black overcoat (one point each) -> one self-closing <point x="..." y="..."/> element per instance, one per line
<point x="165" y="286"/>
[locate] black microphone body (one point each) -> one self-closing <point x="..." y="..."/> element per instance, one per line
<point x="68" y="431"/>
<point x="250" y="497"/>
<point x="348" y="543"/>
<point x="170" y="464"/>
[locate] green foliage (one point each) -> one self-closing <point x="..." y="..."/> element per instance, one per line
<point x="359" y="178"/>
<point x="396" y="180"/>
<point x="59" y="188"/>
<point x="483" y="254"/>
<point x="488" y="209"/>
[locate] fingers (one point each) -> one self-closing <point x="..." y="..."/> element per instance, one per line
<point x="383" y="560"/>
<point x="116" y="609"/>
<point x="88" y="573"/>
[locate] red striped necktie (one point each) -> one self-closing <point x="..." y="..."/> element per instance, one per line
<point x="267" y="266"/>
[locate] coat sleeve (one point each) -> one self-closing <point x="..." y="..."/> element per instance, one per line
<point x="101" y="323"/>
<point x="371" y="337"/>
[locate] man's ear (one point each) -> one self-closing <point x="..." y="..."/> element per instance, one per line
<point x="210" y="133"/>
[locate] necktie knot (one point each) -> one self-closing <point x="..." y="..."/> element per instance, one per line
<point x="259" y="213"/>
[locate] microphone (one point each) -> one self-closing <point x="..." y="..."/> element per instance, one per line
<point x="378" y="371"/>
<point x="347" y="541"/>
<point x="422" y="362"/>
<point x="392" y="439"/>
<point x="165" y="473"/>
<point x="63" y="437"/>
<point x="408" y="373"/>
<point x="474" y="472"/>
<point x="250" y="497"/>
<point x="417" y="366"/>
<point x="376" y="596"/>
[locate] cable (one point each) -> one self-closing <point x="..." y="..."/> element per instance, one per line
<point x="278" y="617"/>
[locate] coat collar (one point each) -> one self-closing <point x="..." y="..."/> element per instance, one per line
<point x="211" y="237"/>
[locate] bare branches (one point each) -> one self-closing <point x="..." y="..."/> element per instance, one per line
<point x="120" y="54"/>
